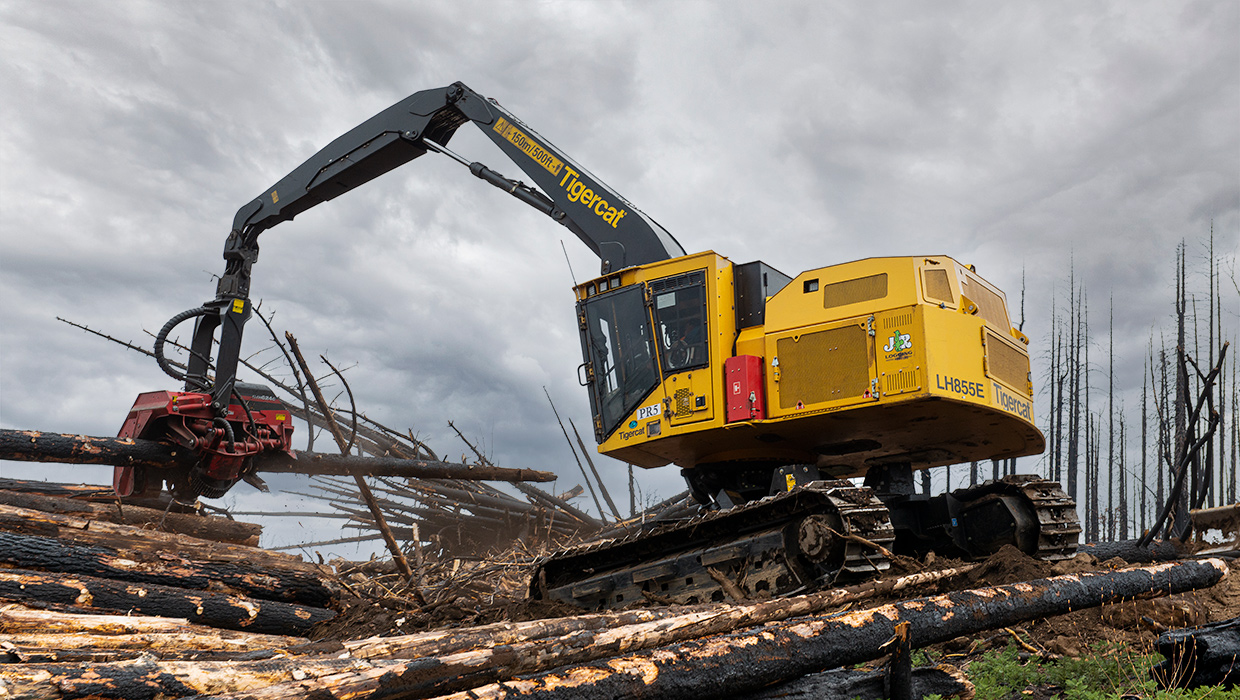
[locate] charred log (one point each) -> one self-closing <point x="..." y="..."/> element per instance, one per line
<point x="54" y="555"/>
<point x="741" y="662"/>
<point x="1200" y="656"/>
<point x="136" y="539"/>
<point x="723" y="666"/>
<point x="202" y="527"/>
<point x="36" y="446"/>
<point x="90" y="594"/>
<point x="1132" y="552"/>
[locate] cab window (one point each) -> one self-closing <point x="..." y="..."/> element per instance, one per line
<point x="680" y="321"/>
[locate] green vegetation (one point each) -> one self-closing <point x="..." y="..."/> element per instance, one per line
<point x="1111" y="671"/>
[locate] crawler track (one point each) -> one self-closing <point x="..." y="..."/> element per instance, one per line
<point x="799" y="540"/>
<point x="1050" y="527"/>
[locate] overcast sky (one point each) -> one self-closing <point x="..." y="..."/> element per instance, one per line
<point x="1014" y="136"/>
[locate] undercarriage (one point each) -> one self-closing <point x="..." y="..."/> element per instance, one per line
<point x="808" y="534"/>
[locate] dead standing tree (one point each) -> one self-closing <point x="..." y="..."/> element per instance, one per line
<point x="1187" y="450"/>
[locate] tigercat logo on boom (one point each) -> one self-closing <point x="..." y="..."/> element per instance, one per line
<point x="578" y="192"/>
<point x="514" y="136"/>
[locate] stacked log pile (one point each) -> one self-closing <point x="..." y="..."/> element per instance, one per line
<point x="72" y="556"/>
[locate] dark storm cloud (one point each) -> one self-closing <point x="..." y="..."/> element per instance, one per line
<point x="1011" y="136"/>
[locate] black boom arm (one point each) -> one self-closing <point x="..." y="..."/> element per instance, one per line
<point x="606" y="222"/>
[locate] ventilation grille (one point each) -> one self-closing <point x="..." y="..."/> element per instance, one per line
<point x="1006" y="363"/>
<point x="684" y="402"/>
<point x="901" y="320"/>
<point x="853" y="291"/>
<point x="900" y="382"/>
<point x="823" y="366"/>
<point x="989" y="305"/>
<point x="938" y="287"/>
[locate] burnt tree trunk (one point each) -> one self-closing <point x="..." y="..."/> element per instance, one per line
<point x="90" y="594"/>
<point x="54" y="555"/>
<point x="207" y="528"/>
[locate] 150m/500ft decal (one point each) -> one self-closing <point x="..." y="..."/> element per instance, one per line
<point x="515" y="136"/>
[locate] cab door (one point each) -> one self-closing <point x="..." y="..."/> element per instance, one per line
<point x="682" y="335"/>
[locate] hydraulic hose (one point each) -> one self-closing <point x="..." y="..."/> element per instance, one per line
<point x="162" y="337"/>
<point x="228" y="433"/>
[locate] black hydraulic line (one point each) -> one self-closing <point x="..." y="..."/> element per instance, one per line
<point x="228" y="433"/>
<point x="162" y="337"/>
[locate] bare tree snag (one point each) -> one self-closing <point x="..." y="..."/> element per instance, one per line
<point x="36" y="446"/>
<point x="367" y="497"/>
<point x="90" y="594"/>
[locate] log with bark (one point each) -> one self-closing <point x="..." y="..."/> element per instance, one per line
<point x="93" y="494"/>
<point x="136" y="539"/>
<point x="725" y="665"/>
<point x="46" y="636"/>
<point x="37" y="446"/>
<point x="91" y="594"/>
<point x="690" y="622"/>
<point x="1133" y="552"/>
<point x="168" y="569"/>
<point x="147" y="678"/>
<point x="202" y="527"/>
<point x="716" y="666"/>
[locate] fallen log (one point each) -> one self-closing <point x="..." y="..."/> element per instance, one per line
<point x="131" y="538"/>
<point x="726" y="665"/>
<point x="168" y="569"/>
<point x="632" y="630"/>
<point x="1198" y="657"/>
<point x="718" y="666"/>
<point x="160" y="643"/>
<point x="94" y="494"/>
<point x="148" y="678"/>
<point x="37" y="446"/>
<point x="17" y="620"/>
<point x="122" y="680"/>
<point x="91" y="594"/>
<point x="1132" y="552"/>
<point x="202" y="527"/>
